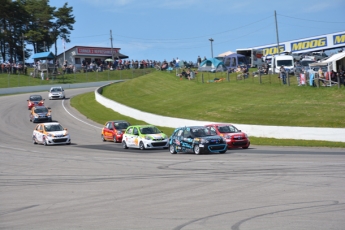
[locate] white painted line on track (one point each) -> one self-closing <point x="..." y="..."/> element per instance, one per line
<point x="63" y="105"/>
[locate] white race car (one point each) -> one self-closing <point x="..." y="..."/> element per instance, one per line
<point x="50" y="134"/>
<point x="56" y="92"/>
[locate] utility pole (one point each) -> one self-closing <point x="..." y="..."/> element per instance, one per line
<point x="111" y="42"/>
<point x="23" y="50"/>
<point x="278" y="51"/>
<point x="211" y="40"/>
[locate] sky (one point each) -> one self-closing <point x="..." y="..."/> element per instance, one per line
<point x="163" y="30"/>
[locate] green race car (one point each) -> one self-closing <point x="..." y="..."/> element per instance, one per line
<point x="144" y="137"/>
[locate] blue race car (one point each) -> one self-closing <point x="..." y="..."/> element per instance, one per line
<point x="196" y="139"/>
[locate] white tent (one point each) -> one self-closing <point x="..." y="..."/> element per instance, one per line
<point x="225" y="54"/>
<point x="334" y="62"/>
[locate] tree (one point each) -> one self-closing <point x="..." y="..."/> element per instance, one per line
<point x="63" y="24"/>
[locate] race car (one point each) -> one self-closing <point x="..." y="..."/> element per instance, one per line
<point x="40" y="113"/>
<point x="56" y="92"/>
<point x="35" y="100"/>
<point x="50" y="134"/>
<point x="113" y="130"/>
<point x="235" y="138"/>
<point x="196" y="139"/>
<point x="144" y="137"/>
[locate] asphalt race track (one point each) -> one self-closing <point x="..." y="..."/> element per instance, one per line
<point x="94" y="185"/>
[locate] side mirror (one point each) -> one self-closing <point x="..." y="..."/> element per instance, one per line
<point x="48" y="108"/>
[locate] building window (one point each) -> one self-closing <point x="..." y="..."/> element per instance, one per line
<point x="77" y="61"/>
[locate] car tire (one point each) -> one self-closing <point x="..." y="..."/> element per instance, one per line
<point x="124" y="145"/>
<point x="114" y="139"/>
<point x="102" y="137"/>
<point x="34" y="141"/>
<point x="223" y="151"/>
<point x="141" y="146"/>
<point x="172" y="149"/>
<point x="196" y="149"/>
<point x="45" y="142"/>
<point x="245" y="147"/>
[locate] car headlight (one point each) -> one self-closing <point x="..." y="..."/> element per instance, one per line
<point x="147" y="137"/>
<point x="119" y="132"/>
<point x="50" y="135"/>
<point x="202" y="141"/>
<point x="36" y="116"/>
<point x="228" y="137"/>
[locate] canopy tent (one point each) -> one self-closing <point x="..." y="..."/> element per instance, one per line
<point x="225" y="54"/>
<point x="233" y="60"/>
<point x="211" y="65"/>
<point x="43" y="55"/>
<point x="334" y="62"/>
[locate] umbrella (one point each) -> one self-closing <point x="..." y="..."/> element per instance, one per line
<point x="109" y="59"/>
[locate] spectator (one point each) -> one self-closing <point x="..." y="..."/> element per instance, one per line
<point x="198" y="61"/>
<point x="283" y="74"/>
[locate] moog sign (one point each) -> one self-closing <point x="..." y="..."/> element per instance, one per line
<point x="273" y="50"/>
<point x="309" y="44"/>
<point x="339" y="39"/>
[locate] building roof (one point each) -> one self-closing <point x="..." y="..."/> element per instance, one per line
<point x="43" y="55"/>
<point x="117" y="54"/>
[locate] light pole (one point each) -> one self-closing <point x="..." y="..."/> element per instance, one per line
<point x="211" y="40"/>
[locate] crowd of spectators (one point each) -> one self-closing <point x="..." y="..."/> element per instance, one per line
<point x="13" y="68"/>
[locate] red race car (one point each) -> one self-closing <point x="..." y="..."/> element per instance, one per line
<point x="35" y="100"/>
<point x="113" y="130"/>
<point x="234" y="137"/>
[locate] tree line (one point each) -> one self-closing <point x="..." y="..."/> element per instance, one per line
<point x="32" y="22"/>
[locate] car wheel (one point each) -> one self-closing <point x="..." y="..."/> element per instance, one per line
<point x="45" y="142"/>
<point x="223" y="151"/>
<point x="172" y="149"/>
<point x="114" y="139"/>
<point x="68" y="143"/>
<point x="141" y="146"/>
<point x="196" y="149"/>
<point x="245" y="147"/>
<point x="102" y="137"/>
<point x="34" y="141"/>
<point x="124" y="145"/>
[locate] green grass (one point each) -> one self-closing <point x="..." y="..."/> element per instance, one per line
<point x="19" y="80"/>
<point x="242" y="102"/>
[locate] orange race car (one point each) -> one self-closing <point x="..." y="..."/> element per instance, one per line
<point x="113" y="130"/>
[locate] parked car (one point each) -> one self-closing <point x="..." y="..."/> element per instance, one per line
<point x="50" y="134"/>
<point x="235" y="138"/>
<point x="56" y="92"/>
<point x="196" y="139"/>
<point x="315" y="56"/>
<point x="114" y="130"/>
<point x="35" y="100"/>
<point x="40" y="113"/>
<point x="144" y="137"/>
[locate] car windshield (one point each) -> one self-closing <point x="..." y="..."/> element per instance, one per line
<point x="121" y="125"/>
<point x="306" y="63"/>
<point x="55" y="90"/>
<point x="284" y="63"/>
<point x="149" y="130"/>
<point x="53" y="128"/>
<point x="227" y="129"/>
<point x="35" y="98"/>
<point x="200" y="132"/>
<point x="41" y="110"/>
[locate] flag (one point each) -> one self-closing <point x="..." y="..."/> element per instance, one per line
<point x="64" y="43"/>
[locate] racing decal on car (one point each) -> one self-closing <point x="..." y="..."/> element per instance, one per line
<point x="136" y="141"/>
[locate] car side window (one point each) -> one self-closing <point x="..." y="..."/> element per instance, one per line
<point x="212" y="131"/>
<point x="135" y="131"/>
<point x="187" y="134"/>
<point x="129" y="130"/>
<point x="179" y="133"/>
